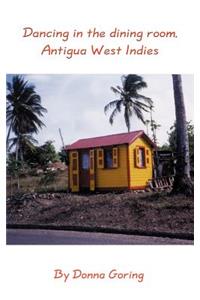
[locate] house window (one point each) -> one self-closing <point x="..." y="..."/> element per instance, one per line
<point x="140" y="157"/>
<point x="85" y="161"/>
<point x="108" y="158"/>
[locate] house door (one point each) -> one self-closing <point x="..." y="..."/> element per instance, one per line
<point x="92" y="170"/>
<point x="87" y="169"/>
<point x="84" y="169"/>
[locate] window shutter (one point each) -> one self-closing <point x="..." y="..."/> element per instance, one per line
<point x="74" y="168"/>
<point x="147" y="157"/>
<point x="115" y="157"/>
<point x="100" y="158"/>
<point x="92" y="171"/>
<point x="137" y="157"/>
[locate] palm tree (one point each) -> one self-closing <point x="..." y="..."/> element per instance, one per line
<point x="182" y="183"/>
<point x="26" y="142"/>
<point x="23" y="111"/>
<point x="129" y="99"/>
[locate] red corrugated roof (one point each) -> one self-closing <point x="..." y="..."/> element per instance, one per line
<point x="108" y="140"/>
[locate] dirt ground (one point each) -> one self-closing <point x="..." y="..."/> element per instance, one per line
<point x="155" y="212"/>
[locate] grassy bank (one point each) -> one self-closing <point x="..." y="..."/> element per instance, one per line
<point x="41" y="183"/>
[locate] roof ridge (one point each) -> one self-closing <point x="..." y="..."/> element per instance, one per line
<point x="107" y="140"/>
<point x="138" y="133"/>
<point x="102" y="136"/>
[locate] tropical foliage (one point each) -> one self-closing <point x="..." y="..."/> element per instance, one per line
<point x="129" y="99"/>
<point x="42" y="155"/>
<point x="172" y="137"/>
<point x="23" y="114"/>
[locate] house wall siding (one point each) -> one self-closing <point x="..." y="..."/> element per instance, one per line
<point x="139" y="176"/>
<point x="115" y="177"/>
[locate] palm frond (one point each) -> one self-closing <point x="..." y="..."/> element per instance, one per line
<point x="113" y="114"/>
<point x="11" y="143"/>
<point x="115" y="90"/>
<point x="120" y="89"/>
<point x="119" y="105"/>
<point x="110" y="105"/>
<point x="139" y="114"/>
<point x="141" y="105"/>
<point x="146" y="99"/>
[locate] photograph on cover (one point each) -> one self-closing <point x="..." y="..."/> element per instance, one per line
<point x="100" y="159"/>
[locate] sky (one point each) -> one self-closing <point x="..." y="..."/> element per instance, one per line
<point x="75" y="104"/>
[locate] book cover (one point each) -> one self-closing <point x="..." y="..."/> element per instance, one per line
<point x="98" y="104"/>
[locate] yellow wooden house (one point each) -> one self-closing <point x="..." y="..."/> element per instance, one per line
<point x="113" y="162"/>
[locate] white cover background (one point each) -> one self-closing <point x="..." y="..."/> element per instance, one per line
<point x="171" y="272"/>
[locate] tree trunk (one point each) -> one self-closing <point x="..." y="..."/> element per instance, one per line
<point x="17" y="149"/>
<point x="8" y="136"/>
<point x="17" y="159"/>
<point x="182" y="183"/>
<point x="18" y="182"/>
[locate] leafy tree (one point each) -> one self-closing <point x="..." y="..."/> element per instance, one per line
<point x="129" y="99"/>
<point x="23" y="112"/>
<point x="13" y="166"/>
<point x="165" y="146"/>
<point x="182" y="182"/>
<point x="47" y="153"/>
<point x="172" y="136"/>
<point x="37" y="155"/>
<point x="64" y="157"/>
<point x="41" y="155"/>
